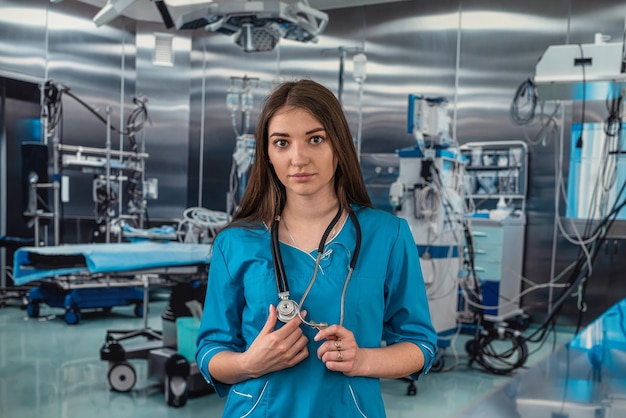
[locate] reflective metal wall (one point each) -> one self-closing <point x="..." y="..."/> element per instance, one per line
<point x="167" y="133"/>
<point x="475" y="53"/>
<point x="23" y="27"/>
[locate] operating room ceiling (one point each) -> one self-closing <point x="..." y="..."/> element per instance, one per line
<point x="139" y="11"/>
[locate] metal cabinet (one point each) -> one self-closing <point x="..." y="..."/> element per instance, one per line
<point x="498" y="262"/>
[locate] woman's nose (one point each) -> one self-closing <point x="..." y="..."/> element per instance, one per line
<point x="299" y="155"/>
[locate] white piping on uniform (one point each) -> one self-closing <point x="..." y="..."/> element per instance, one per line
<point x="427" y="348"/>
<point x="257" y="401"/>
<point x="355" y="402"/>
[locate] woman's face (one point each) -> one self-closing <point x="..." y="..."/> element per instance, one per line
<point x="299" y="150"/>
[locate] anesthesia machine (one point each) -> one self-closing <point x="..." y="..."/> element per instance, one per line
<point x="427" y="193"/>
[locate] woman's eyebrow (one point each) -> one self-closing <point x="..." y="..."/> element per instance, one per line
<point x="314" y="130"/>
<point x="279" y="134"/>
<point x="286" y="135"/>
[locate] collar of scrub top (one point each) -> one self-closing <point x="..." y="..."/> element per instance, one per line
<point x="287" y="308"/>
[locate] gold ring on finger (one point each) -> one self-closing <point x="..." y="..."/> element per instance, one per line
<point x="339" y="355"/>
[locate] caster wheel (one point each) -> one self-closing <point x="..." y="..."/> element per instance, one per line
<point x="139" y="311"/>
<point x="470" y="348"/>
<point x="411" y="390"/>
<point x="122" y="376"/>
<point x="522" y="322"/>
<point x="32" y="310"/>
<point x="177" y="371"/>
<point x="175" y="391"/>
<point x="438" y="364"/>
<point x="72" y="317"/>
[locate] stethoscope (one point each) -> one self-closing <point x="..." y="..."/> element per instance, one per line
<point x="287" y="308"/>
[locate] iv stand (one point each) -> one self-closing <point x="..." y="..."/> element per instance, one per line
<point x="343" y="53"/>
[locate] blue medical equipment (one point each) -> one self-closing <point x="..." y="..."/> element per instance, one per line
<point x="287" y="308"/>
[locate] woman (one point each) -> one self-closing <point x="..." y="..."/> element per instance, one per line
<point x="304" y="215"/>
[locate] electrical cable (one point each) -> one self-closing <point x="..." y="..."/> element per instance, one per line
<point x="579" y="142"/>
<point x="549" y="127"/>
<point x="579" y="273"/>
<point x="134" y="187"/>
<point x="525" y="97"/>
<point x="613" y="122"/>
<point x="605" y="181"/>
<point x="53" y="93"/>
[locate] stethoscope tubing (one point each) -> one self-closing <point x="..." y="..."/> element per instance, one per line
<point x="282" y="284"/>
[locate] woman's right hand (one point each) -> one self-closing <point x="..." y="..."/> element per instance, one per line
<point x="279" y="349"/>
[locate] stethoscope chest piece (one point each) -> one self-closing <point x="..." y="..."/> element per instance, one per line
<point x="287" y="309"/>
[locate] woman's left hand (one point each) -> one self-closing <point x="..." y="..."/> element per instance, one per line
<point x="340" y="351"/>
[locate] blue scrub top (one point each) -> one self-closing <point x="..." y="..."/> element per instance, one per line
<point x="385" y="302"/>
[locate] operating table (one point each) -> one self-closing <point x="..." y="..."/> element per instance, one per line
<point x="92" y="276"/>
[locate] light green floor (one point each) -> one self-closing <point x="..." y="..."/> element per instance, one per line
<point x="53" y="370"/>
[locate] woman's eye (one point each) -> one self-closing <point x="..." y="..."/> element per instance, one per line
<point x="280" y="143"/>
<point x="317" y="140"/>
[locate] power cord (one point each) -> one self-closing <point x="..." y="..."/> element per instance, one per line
<point x="526" y="97"/>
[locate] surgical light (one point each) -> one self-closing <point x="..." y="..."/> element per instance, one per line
<point x="111" y="10"/>
<point x="246" y="39"/>
<point x="115" y="8"/>
<point x="258" y="25"/>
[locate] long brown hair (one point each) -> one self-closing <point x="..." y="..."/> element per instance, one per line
<point x="265" y="195"/>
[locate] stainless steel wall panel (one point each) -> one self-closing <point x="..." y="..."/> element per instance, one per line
<point x="197" y="128"/>
<point x="23" y="27"/>
<point x="167" y="134"/>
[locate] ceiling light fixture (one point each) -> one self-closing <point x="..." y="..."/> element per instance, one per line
<point x="258" y="25"/>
